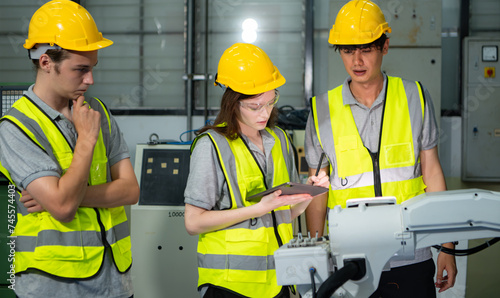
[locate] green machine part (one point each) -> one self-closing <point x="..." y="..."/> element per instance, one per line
<point x="7" y="244"/>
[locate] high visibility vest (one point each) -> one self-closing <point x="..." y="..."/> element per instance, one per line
<point x="75" y="249"/>
<point x="240" y="258"/>
<point x="355" y="172"/>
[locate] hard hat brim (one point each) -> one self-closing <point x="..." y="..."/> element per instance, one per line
<point x="29" y="44"/>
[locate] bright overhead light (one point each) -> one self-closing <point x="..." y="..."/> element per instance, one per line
<point x="249" y="36"/>
<point x="249" y="24"/>
<point x="249" y="33"/>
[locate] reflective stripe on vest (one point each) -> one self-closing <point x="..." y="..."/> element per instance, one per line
<point x="75" y="249"/>
<point x="354" y="170"/>
<point x="240" y="257"/>
<point x="71" y="238"/>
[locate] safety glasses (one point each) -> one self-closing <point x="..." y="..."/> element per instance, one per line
<point x="257" y="107"/>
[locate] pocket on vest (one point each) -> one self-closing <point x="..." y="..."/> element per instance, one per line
<point x="413" y="188"/>
<point x="348" y="156"/>
<point x="246" y="255"/>
<point x="399" y="155"/>
<point x="98" y="172"/>
<point x="253" y="185"/>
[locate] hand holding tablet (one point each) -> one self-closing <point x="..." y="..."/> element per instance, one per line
<point x="290" y="188"/>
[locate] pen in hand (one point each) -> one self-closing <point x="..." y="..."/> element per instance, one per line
<point x="319" y="163"/>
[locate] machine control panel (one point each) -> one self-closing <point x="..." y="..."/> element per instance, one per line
<point x="295" y="260"/>
<point x="300" y="241"/>
<point x="490" y="53"/>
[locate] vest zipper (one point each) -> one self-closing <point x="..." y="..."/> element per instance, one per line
<point x="103" y="230"/>
<point x="275" y="226"/>
<point x="377" y="183"/>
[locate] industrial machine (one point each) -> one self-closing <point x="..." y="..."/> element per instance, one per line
<point x="164" y="254"/>
<point x="368" y="233"/>
<point x="8" y="95"/>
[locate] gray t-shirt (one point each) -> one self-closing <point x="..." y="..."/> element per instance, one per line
<point x="26" y="162"/>
<point x="368" y="122"/>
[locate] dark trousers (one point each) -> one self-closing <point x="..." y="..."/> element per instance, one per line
<point x="214" y="292"/>
<point x="412" y="281"/>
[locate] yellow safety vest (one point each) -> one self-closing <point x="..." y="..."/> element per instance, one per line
<point x="357" y="173"/>
<point x="240" y="258"/>
<point x="75" y="249"/>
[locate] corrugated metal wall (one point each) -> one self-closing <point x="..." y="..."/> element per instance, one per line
<point x="144" y="68"/>
<point x="484" y="17"/>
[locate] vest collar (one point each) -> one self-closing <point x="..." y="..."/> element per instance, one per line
<point x="267" y="140"/>
<point x="53" y="114"/>
<point x="348" y="99"/>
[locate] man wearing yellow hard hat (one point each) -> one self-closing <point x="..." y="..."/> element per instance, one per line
<point x="69" y="164"/>
<point x="380" y="136"/>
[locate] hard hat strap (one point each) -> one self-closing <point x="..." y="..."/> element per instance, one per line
<point x="35" y="53"/>
<point x="216" y="83"/>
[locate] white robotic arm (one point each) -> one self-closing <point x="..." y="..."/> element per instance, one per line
<point x="370" y="232"/>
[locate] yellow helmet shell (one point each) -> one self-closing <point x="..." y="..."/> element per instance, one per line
<point x="358" y="22"/>
<point x="246" y="68"/>
<point x="66" y="24"/>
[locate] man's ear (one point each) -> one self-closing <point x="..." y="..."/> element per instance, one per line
<point x="385" y="49"/>
<point x="45" y="62"/>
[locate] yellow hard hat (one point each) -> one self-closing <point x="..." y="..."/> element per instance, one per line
<point x="66" y="24"/>
<point x="358" y="22"/>
<point x="246" y="68"/>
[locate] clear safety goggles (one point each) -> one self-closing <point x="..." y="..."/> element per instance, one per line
<point x="257" y="107"/>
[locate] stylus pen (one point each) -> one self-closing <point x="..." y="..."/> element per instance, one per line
<point x="319" y="164"/>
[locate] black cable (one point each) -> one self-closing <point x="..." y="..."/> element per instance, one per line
<point x="466" y="252"/>
<point x="312" y="270"/>
<point x="350" y="271"/>
<point x="290" y="118"/>
<point x="285" y="107"/>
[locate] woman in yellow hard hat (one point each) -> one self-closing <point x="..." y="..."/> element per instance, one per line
<point x="242" y="154"/>
<point x="69" y="162"/>
<point x="380" y="135"/>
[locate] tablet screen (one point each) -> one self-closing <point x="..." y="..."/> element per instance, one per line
<point x="290" y="188"/>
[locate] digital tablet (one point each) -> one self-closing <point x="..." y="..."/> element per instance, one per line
<point x="290" y="188"/>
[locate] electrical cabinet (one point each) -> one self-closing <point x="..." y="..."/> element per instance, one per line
<point x="164" y="254"/>
<point x="481" y="108"/>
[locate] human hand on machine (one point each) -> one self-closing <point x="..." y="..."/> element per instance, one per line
<point x="446" y="262"/>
